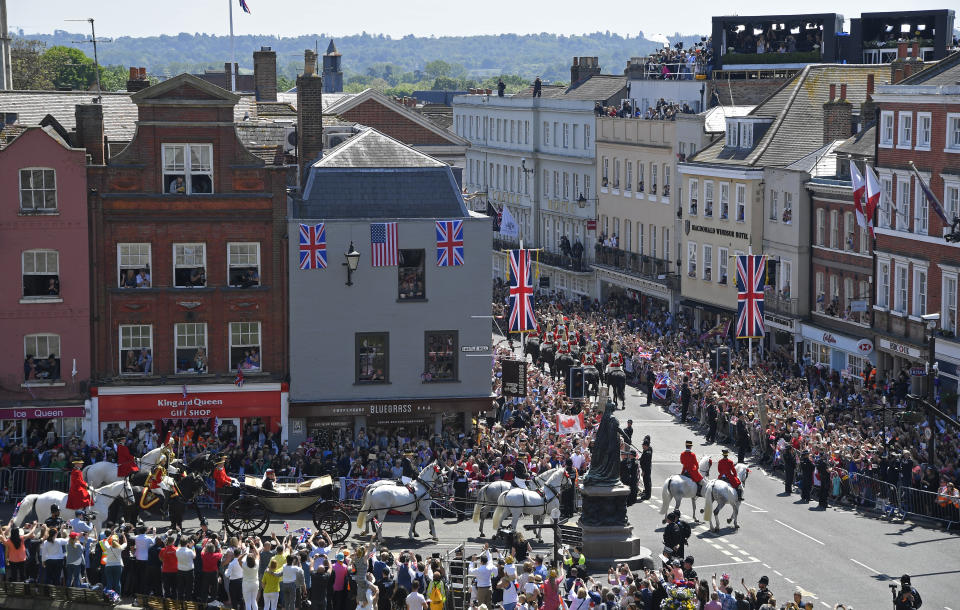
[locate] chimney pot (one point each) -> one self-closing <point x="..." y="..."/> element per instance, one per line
<point x="901" y="49"/>
<point x="143" y="74"/>
<point x="309" y="63"/>
<point x="133" y="73"/>
<point x="843" y="91"/>
<point x="833" y="92"/>
<point x="916" y="50"/>
<point x="869" y="84"/>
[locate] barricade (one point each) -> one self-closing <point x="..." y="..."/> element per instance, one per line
<point x="875" y="494"/>
<point x="26" y="481"/>
<point x="929" y="505"/>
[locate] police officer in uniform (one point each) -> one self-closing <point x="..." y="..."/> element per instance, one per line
<point x="567" y="495"/>
<point x="646" y="462"/>
<point x="460" y="484"/>
<point x="674" y="536"/>
<point x="54" y="520"/>
<point x="628" y="475"/>
<point x="789" y="468"/>
<point x="712" y="420"/>
<point x="806" y="476"/>
<point x="823" y="470"/>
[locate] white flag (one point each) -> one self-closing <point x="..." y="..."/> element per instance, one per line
<point x="859" y="187"/>
<point x="509" y="226"/>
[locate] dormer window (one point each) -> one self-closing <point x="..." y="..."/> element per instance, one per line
<point x="187" y="169"/>
<point x="740" y="133"/>
<point x="746" y="135"/>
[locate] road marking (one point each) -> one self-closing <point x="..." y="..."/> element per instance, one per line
<point x="752" y="558"/>
<point x="724" y="540"/>
<point x="716" y="546"/>
<point x="792" y="582"/>
<point x="744" y="552"/>
<point x="752" y="506"/>
<point x="864" y="566"/>
<point x="720" y="565"/>
<point x="825" y="604"/>
<point x="732" y="546"/>
<point x="726" y="552"/>
<point x="799" y="532"/>
<point x="777" y="573"/>
<point x="738" y="560"/>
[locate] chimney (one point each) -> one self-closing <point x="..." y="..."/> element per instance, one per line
<point x="265" y="74"/>
<point x="901" y="49"/>
<point x="915" y="51"/>
<point x="583" y="68"/>
<point x="90" y="131"/>
<point x="137" y="80"/>
<point x="868" y="108"/>
<point x="837" y="117"/>
<point x="833" y="92"/>
<point x="870" y="86"/>
<point x="309" y="115"/>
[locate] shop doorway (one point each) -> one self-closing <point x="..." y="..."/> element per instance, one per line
<point x="254" y="430"/>
<point x="111" y="429"/>
<point x="229" y="430"/>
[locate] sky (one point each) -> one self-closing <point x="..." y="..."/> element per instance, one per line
<point x="399" y="18"/>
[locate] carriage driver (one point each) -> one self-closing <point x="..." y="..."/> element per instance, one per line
<point x="691" y="466"/>
<point x="220" y="476"/>
<point x="520" y="470"/>
<point x="79" y="495"/>
<point x="408" y="473"/>
<point x="727" y="472"/>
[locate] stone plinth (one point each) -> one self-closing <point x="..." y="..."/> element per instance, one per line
<point x="607" y="534"/>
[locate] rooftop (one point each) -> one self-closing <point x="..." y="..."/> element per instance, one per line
<point x="596" y="87"/>
<point x="862" y="143"/>
<point x="944" y="72"/>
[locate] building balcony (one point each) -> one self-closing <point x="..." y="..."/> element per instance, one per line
<point x="633" y="263"/>
<point x="543" y="257"/>
<point x="834" y="310"/>
<point x="778" y="302"/>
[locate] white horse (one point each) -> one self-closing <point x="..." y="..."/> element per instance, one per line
<point x="487" y="497"/>
<point x="678" y="487"/>
<point x="102" y="499"/>
<point x="363" y="498"/>
<point x="723" y="493"/>
<point x="400" y="498"/>
<point x="519" y="502"/>
<point x="101" y="473"/>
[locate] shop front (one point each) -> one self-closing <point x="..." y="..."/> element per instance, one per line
<point x="948" y="377"/>
<point x="832" y="350"/>
<point x="32" y="424"/>
<point x="900" y="359"/>
<point x="652" y="297"/>
<point x="708" y="318"/>
<point x="403" y="418"/>
<point x="234" y="413"/>
<point x="781" y="333"/>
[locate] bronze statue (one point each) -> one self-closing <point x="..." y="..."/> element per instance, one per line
<point x="605" y="451"/>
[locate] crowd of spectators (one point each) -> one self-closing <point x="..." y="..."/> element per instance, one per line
<point x="661" y="111"/>
<point x="679" y="63"/>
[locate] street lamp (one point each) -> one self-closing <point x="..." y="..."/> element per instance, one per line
<point x="353" y="259"/>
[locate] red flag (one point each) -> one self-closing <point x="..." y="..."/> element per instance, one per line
<point x="570" y="424"/>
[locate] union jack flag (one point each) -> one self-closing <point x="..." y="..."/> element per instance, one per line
<point x="522" y="317"/>
<point x="238" y="380"/>
<point x="661" y="386"/>
<point x="449" y="243"/>
<point x="313" y="246"/>
<point x="305" y="534"/>
<point x="243" y="5"/>
<point x="644" y="355"/>
<point x="750" y="281"/>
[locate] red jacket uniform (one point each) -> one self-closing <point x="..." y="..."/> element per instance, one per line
<point x="125" y="462"/>
<point x="78" y="497"/>
<point x="221" y="478"/>
<point x="691" y="466"/>
<point x="728" y="472"/>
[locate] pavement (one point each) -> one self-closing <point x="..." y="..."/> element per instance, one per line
<point x="837" y="555"/>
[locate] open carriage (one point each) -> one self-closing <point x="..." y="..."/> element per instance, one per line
<point x="247" y="509"/>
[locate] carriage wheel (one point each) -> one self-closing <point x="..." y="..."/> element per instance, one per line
<point x="335" y="522"/>
<point x="246" y="516"/>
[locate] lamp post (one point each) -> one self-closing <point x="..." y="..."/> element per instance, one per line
<point x="353" y="259"/>
<point x="931" y="321"/>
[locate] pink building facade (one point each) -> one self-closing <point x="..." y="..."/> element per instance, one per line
<point x="45" y="303"/>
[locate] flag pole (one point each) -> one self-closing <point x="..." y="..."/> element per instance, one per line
<point x="750" y="339"/>
<point x="233" y="57"/>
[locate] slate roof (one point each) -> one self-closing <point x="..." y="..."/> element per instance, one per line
<point x="374" y="176"/>
<point x="862" y="144"/>
<point x="328" y="100"/>
<point x="438" y="113"/>
<point x="944" y="72"/>
<point x="262" y="133"/>
<point x="715" y="120"/>
<point x="596" y="87"/>
<point x="796" y="113"/>
<point x="275" y="109"/>
<point x="821" y="162"/>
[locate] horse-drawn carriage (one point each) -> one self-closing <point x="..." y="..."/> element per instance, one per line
<point x="247" y="508"/>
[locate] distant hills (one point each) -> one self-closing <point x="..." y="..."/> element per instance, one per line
<point x="529" y="55"/>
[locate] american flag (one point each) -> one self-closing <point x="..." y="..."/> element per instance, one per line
<point x="238" y="380"/>
<point x="313" y="246"/>
<point x="383" y="240"/>
<point x="243" y="5"/>
<point x="750" y="280"/>
<point x="449" y="243"/>
<point x="522" y="317"/>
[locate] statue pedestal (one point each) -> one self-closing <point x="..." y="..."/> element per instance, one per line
<point x="607" y="534"/>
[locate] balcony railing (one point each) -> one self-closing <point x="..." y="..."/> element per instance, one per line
<point x="833" y="308"/>
<point x="633" y="263"/>
<point x="777" y="302"/>
<point x="544" y="257"/>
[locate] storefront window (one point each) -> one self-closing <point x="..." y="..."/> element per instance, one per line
<point x="191" y="352"/>
<point x="245" y="346"/>
<point x="440" y="356"/>
<point x="373" y="357"/>
<point x="11" y="431"/>
<point x="855" y="366"/>
<point x="411" y="276"/>
<point x="818" y="353"/>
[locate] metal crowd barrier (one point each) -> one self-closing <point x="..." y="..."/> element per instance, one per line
<point x="876" y="494"/>
<point x="21" y="482"/>
<point x="930" y="505"/>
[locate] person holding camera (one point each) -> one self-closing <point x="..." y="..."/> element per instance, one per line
<point x="907" y="597"/>
<point x="675" y="535"/>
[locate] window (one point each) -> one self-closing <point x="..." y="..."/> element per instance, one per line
<point x="741" y="203"/>
<point x="948" y="321"/>
<point x="245" y="346"/>
<point x="666" y="244"/>
<point x="586" y="136"/>
<point x="653" y="243"/>
<point x="951" y="200"/>
<point x="666" y="180"/>
<point x="834" y="229"/>
<point x="576" y="186"/>
<point x="924" y="129"/>
<point x="41" y="273"/>
<point x="903" y="204"/>
<point x="848" y="231"/>
<point x="724" y="200"/>
<point x="834" y="292"/>
<point x="819" y="290"/>
<point x="616" y="173"/>
<point x="787" y="208"/>
<point x="628" y="179"/>
<point x="187" y="168"/>
<point x="905" y="130"/>
<point x="900" y="289"/>
<point x="818" y="353"/>
<point x="708" y="199"/>
<point x="785" y="277"/>
<point x="855" y="366"/>
<point x="886" y="202"/>
<point x="605" y="169"/>
<point x="732" y="132"/>
<point x="556" y="184"/>
<point x="821" y="227"/>
<point x="708" y="262"/>
<point x="526" y="132"/>
<point x="546" y="133"/>
<point x="627" y="230"/>
<point x="411" y="275"/>
<point x="38" y="190"/>
<point x="722" y="256"/>
<point x="773" y="205"/>
<point x="189" y="265"/>
<point x="640" y="237"/>
<point x="136" y="349"/>
<point x="243" y="264"/>
<point x="746" y="135"/>
<point x="576" y="136"/>
<point x="41" y="354"/>
<point x="694" y="192"/>
<point x="691" y="259"/>
<point x="653" y="178"/>
<point x="373" y="357"/>
<point x="440" y="355"/>
<point x="191" y="348"/>
<point x="920" y="211"/>
<point x="953" y="132"/>
<point x="133" y="261"/>
<point x="883" y="285"/>
<point x="886" y="129"/>
<point x="640" y="166"/>
<point x="919" y="292"/>
<point x="586" y="186"/>
<point x="566" y="135"/>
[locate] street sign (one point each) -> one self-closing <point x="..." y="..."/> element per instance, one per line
<point x="514" y="378"/>
<point x="918" y="371"/>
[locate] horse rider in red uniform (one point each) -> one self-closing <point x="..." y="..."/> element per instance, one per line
<point x="79" y="495"/>
<point x="616" y="360"/>
<point x="126" y="465"/>
<point x="549" y="337"/>
<point x="691" y="466"/>
<point x="728" y="472"/>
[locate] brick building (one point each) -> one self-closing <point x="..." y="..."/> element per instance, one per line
<point x="189" y="270"/>
<point x="917" y="270"/>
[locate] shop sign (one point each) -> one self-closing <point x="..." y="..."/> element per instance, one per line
<point x="475" y="348"/>
<point x="918" y="371"/>
<point x="514" y="378"/>
<point x="41" y="412"/>
<point x="722" y="232"/>
<point x="865" y="346"/>
<point x="829" y="339"/>
<point x="788" y="324"/>
<point x="241" y="403"/>
<point x="901" y="349"/>
<point x="858" y="305"/>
